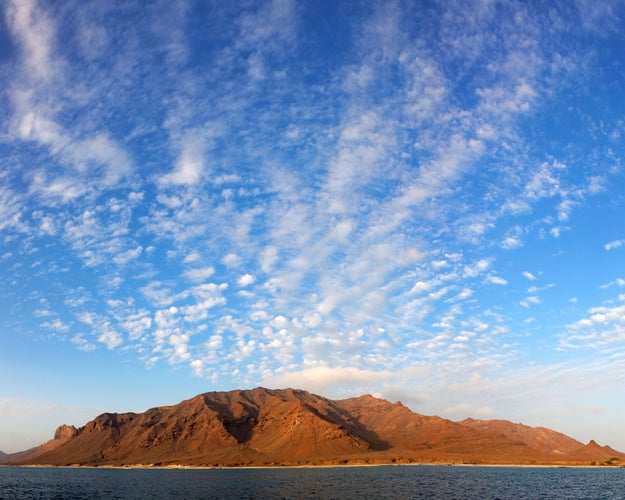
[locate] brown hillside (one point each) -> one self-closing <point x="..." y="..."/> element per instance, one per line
<point x="398" y="426"/>
<point x="433" y="438"/>
<point x="271" y="427"/>
<point x="594" y="453"/>
<point x="538" y="438"/>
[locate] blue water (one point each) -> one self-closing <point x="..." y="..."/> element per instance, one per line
<point x="393" y="482"/>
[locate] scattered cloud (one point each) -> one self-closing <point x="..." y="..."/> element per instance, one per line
<point x="530" y="301"/>
<point x="603" y="327"/>
<point x="496" y="280"/>
<point x="199" y="274"/>
<point x="245" y="280"/>
<point x="262" y="197"/>
<point x="613" y="245"/>
<point x="321" y="378"/>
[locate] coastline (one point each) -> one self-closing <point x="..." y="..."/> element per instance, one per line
<point x="309" y="466"/>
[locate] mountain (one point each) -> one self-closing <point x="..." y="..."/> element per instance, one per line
<point x="294" y="427"/>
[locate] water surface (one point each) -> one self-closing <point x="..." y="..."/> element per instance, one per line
<point x="392" y="482"/>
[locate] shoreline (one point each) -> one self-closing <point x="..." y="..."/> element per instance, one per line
<point x="308" y="466"/>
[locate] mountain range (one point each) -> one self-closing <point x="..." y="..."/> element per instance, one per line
<point x="265" y="427"/>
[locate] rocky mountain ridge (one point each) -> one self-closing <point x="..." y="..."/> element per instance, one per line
<point x="294" y="427"/>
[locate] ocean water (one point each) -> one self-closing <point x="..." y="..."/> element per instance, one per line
<point x="392" y="482"/>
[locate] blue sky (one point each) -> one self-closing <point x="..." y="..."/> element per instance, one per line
<point x="421" y="200"/>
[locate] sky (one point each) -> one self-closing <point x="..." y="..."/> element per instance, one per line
<point x="423" y="201"/>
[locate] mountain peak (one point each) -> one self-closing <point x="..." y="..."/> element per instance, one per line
<point x="65" y="432"/>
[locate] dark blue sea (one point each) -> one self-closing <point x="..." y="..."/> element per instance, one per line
<point x="392" y="482"/>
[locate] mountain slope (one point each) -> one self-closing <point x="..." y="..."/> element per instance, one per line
<point x="269" y="427"/>
<point x="398" y="426"/>
<point x="538" y="438"/>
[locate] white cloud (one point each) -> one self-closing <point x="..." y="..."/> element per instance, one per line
<point x="180" y="345"/>
<point x="130" y="254"/>
<point x="245" y="280"/>
<point x="110" y="338"/>
<point x="166" y="318"/>
<point x="197" y="366"/>
<point x="529" y="276"/>
<point x="477" y="268"/>
<point x="620" y="282"/>
<point x="199" y="274"/>
<point x="38" y="128"/>
<point x="564" y="209"/>
<point x="208" y="296"/>
<point x="188" y="169"/>
<point x="321" y="378"/>
<point x="530" y="300"/>
<point x="192" y="257"/>
<point x="268" y="257"/>
<point x="420" y="287"/>
<point x="495" y="280"/>
<point x="101" y="150"/>
<point x="465" y="294"/>
<point x="511" y="242"/>
<point x="56" y="325"/>
<point x="82" y="344"/>
<point x="36" y="33"/>
<point x="159" y="294"/>
<point x="602" y="327"/>
<point x="191" y="167"/>
<point x="613" y="244"/>
<point x="461" y="410"/>
<point x="137" y="324"/>
<point x="439" y="264"/>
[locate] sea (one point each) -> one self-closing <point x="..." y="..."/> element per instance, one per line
<point x="379" y="482"/>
